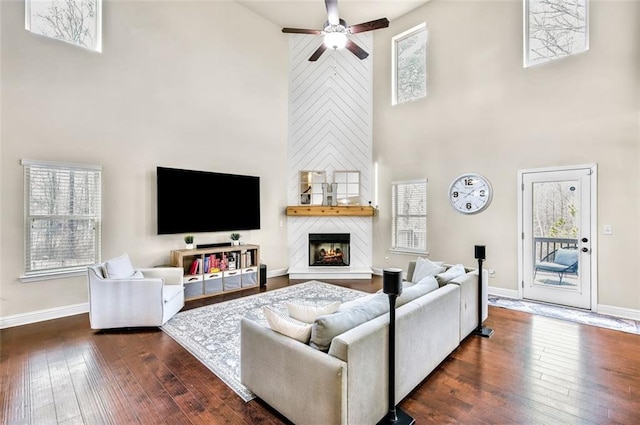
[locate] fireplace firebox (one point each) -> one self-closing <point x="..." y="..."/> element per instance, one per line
<point x="329" y="249"/>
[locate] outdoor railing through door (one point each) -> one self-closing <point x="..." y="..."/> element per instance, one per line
<point x="545" y="246"/>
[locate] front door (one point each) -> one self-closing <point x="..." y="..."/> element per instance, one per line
<point x="557" y="246"/>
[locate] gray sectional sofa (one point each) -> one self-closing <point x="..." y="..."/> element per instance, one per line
<point x="348" y="384"/>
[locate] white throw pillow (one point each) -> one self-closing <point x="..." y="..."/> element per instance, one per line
<point x="425" y="268"/>
<point x="119" y="267"/>
<point x="452" y="273"/>
<point x="309" y="313"/>
<point x="429" y="282"/>
<point x="287" y="326"/>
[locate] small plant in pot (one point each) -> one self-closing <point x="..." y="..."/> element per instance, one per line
<point x="235" y="238"/>
<point x="188" y="242"/>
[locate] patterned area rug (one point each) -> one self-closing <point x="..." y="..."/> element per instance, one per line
<point x="212" y="333"/>
<point x="566" y="313"/>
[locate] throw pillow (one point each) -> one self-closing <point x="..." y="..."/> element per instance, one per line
<point x="287" y="326"/>
<point x="119" y="267"/>
<point x="325" y="328"/>
<point x="137" y="275"/>
<point x="452" y="273"/>
<point x="426" y="285"/>
<point x="309" y="313"/>
<point x="430" y="282"/>
<point x="425" y="268"/>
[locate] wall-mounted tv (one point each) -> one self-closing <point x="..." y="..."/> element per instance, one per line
<point x="192" y="201"/>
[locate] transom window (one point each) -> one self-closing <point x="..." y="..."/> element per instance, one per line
<point x="62" y="217"/>
<point x="409" y="216"/>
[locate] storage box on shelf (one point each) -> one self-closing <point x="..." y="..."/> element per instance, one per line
<point x="213" y="271"/>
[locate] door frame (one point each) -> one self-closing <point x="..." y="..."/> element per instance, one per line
<point x="594" y="225"/>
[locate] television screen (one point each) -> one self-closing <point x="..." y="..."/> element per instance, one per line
<point x="198" y="201"/>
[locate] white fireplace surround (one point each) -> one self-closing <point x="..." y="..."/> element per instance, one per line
<point x="360" y="229"/>
<point x="330" y="129"/>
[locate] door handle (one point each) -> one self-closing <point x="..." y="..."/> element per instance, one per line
<point x="585" y="249"/>
<point x="585" y="240"/>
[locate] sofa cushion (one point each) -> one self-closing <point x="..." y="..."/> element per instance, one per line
<point x="325" y="328"/>
<point x="309" y="313"/>
<point x="426" y="285"/>
<point x="287" y="326"/>
<point x="119" y="267"/>
<point x="358" y="301"/>
<point x="452" y="273"/>
<point x="424" y="268"/>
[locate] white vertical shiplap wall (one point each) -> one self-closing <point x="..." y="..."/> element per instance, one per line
<point x="330" y="128"/>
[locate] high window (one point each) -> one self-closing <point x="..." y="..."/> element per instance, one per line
<point x="409" y="216"/>
<point x="62" y="217"/>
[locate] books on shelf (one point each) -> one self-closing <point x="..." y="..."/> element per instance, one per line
<point x="194" y="266"/>
<point x="220" y="261"/>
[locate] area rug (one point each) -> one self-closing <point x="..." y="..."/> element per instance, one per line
<point x="566" y="313"/>
<point x="212" y="333"/>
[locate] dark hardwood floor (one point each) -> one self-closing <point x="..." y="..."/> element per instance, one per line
<point x="534" y="370"/>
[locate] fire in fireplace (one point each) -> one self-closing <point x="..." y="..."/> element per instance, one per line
<point x="329" y="249"/>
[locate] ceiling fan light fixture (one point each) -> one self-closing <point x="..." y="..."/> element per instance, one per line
<point x="335" y="40"/>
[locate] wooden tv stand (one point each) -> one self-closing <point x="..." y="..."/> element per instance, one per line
<point x="221" y="270"/>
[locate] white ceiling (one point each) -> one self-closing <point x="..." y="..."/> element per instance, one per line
<point x="311" y="14"/>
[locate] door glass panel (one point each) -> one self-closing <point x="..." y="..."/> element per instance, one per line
<point x="556" y="226"/>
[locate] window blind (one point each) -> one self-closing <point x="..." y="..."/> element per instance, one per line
<point x="62" y="216"/>
<point x="409" y="216"/>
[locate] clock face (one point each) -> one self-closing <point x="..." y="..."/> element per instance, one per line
<point x="470" y="193"/>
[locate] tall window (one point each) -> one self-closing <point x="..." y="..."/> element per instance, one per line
<point x="409" y="216"/>
<point x="62" y="217"/>
<point x="77" y="22"/>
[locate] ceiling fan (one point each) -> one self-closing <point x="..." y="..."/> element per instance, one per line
<point x="335" y="32"/>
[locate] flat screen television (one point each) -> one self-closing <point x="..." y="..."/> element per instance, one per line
<point x="192" y="201"/>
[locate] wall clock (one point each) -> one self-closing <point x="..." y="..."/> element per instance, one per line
<point x="470" y="193"/>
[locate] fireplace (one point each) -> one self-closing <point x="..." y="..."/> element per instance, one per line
<point x="329" y="249"/>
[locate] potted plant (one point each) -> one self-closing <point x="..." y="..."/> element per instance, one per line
<point x="188" y="240"/>
<point x="235" y="238"/>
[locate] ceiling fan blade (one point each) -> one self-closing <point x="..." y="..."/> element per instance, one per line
<point x="332" y="12"/>
<point x="369" y="26"/>
<point x="301" y="31"/>
<point x="356" y="50"/>
<point x="314" y="57"/>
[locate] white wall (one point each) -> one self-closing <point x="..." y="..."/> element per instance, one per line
<point x="486" y="114"/>
<point x="189" y="84"/>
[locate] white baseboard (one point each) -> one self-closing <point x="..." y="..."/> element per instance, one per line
<point x="625" y="313"/>
<point x="501" y="292"/>
<point x="72" y="310"/>
<point x="277" y="272"/>
<point x="42" y="315"/>
<point x="324" y="272"/>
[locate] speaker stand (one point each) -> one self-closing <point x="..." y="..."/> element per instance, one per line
<point x="392" y="286"/>
<point x="482" y="331"/>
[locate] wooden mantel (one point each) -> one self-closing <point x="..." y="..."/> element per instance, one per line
<point x="319" y="210"/>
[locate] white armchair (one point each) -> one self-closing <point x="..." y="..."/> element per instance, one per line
<point x="134" y="302"/>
